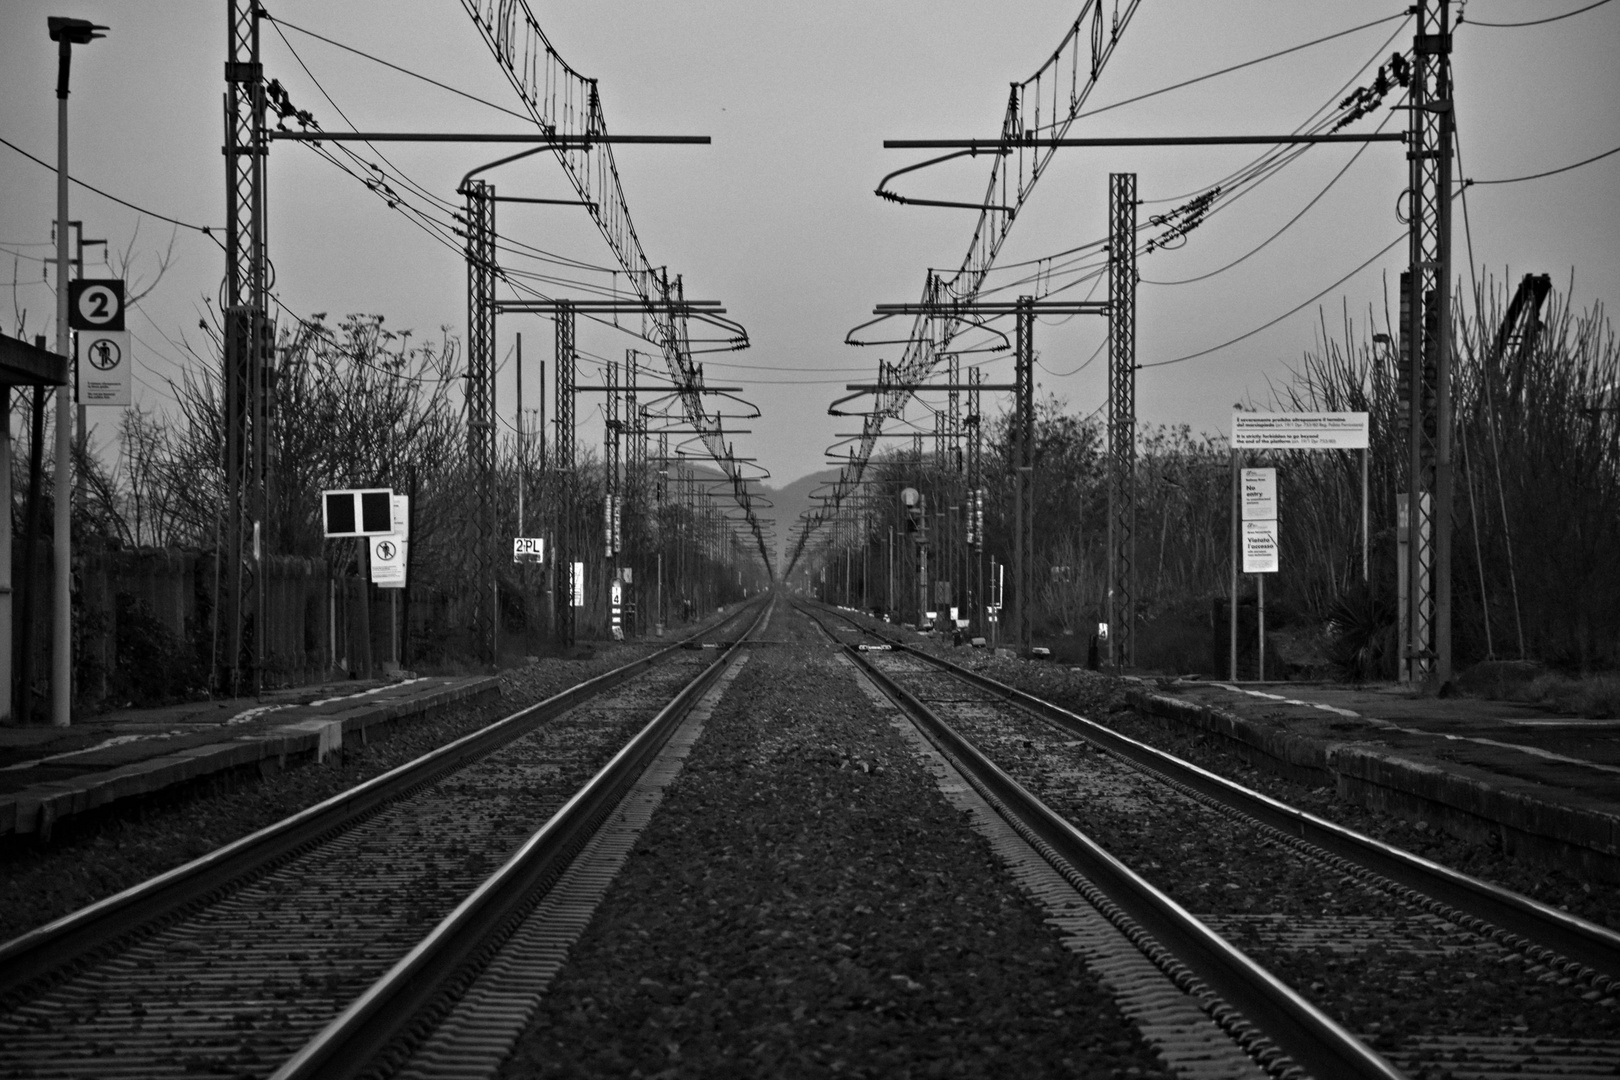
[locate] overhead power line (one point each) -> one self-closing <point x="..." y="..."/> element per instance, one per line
<point x="1549" y="172"/>
<point x="394" y="67"/>
<point x="1533" y="22"/>
<point x="206" y="230"/>
<point x="1247" y="63"/>
<point x="1265" y="326"/>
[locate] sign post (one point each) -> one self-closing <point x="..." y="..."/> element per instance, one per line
<point x="353" y="513"/>
<point x="102" y="362"/>
<point x="1260" y="546"/>
<point x="1254" y="498"/>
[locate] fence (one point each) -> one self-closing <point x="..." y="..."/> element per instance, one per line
<point x="145" y="627"/>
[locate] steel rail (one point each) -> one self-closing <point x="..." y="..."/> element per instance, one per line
<point x="54" y="945"/>
<point x="347" y="1046"/>
<point x="1315" y="1042"/>
<point x="1569" y="935"/>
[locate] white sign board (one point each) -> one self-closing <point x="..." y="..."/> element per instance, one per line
<point x="399" y="515"/>
<point x="579" y="584"/>
<point x="105" y="367"/>
<point x="388" y="561"/>
<point x="528" y="549"/>
<point x="1259" y="494"/>
<point x="1299" y="431"/>
<point x="1259" y="547"/>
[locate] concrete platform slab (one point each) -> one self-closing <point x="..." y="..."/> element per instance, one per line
<point x="50" y="774"/>
<point x="1547" y="785"/>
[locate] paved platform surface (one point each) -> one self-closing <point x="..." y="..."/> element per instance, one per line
<point x="49" y="773"/>
<point x="1549" y="784"/>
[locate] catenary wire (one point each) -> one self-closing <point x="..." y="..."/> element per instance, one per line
<point x="1320" y="195"/>
<point x="1549" y="172"/>
<point x="1532" y="22"/>
<point x="1265" y="326"/>
<point x="1238" y="67"/>
<point x="396" y="67"/>
<point x="206" y="230"/>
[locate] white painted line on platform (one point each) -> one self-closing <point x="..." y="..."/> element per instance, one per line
<point x="1533" y="751"/>
<point x="1288" y="700"/>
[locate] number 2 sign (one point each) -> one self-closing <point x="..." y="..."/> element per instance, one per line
<point x="95" y="304"/>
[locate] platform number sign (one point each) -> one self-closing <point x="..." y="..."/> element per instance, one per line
<point x="96" y="304"/>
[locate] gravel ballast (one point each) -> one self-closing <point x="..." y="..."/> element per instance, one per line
<point x="1393" y="974"/>
<point x="805" y="903"/>
<point x="1101" y="698"/>
<point x="86" y="863"/>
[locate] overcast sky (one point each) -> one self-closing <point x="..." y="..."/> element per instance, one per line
<point x="777" y="218"/>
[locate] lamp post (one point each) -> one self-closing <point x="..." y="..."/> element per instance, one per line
<point x="66" y="33"/>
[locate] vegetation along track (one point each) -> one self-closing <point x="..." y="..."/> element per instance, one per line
<point x="1442" y="976"/>
<point x="230" y="964"/>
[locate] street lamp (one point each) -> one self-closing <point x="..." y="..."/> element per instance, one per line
<point x="66" y="33"/>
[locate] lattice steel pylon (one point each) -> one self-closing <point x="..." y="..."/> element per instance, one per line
<point x="481" y="273"/>
<point x="563" y="102"/>
<point x="1121" y="611"/>
<point x="1024" y="474"/>
<point x="976" y="504"/>
<point x="1426" y="655"/>
<point x="247" y="328"/>
<point x="563" y="457"/>
<point x="1046" y="103"/>
<point x="612" y="431"/>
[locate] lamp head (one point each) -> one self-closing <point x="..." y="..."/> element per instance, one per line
<point x="73" y="31"/>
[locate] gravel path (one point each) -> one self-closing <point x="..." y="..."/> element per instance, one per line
<point x="805" y="903"/>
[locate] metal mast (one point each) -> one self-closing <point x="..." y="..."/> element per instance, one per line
<point x="481" y="272"/>
<point x="611" y="433"/>
<point x="1121" y="612"/>
<point x="247" y="332"/>
<point x="975" y="502"/>
<point x="1024" y="473"/>
<point x="1426" y="334"/>
<point x="563" y="456"/>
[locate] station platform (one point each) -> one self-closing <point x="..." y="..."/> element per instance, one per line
<point x="49" y="774"/>
<point x="1546" y="785"/>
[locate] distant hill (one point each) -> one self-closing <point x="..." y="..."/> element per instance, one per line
<point x="789" y="502"/>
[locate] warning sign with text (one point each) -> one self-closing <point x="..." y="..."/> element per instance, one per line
<point x="1299" y="431"/>
<point x="1259" y="547"/>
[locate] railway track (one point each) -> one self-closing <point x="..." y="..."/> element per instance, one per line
<point x="1438" y="973"/>
<point x="346" y="919"/>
